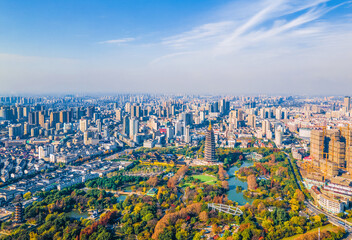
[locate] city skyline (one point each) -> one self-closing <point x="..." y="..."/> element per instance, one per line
<point x="123" y="156"/>
<point x="198" y="47"/>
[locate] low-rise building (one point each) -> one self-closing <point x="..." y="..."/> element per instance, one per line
<point x="331" y="204"/>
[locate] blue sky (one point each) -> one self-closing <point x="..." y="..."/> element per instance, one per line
<point x="169" y="46"/>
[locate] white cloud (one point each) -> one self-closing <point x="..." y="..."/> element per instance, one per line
<point x="118" y="41"/>
<point x="201" y="33"/>
<point x="264" y="46"/>
<point x="268" y="22"/>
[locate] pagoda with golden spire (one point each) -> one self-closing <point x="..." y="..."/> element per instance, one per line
<point x="209" y="149"/>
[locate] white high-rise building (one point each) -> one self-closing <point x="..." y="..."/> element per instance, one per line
<point x="187" y="134"/>
<point x="85" y="137"/>
<point x="278" y="114"/>
<point x="265" y="126"/>
<point x="118" y="115"/>
<point x="170" y="132"/>
<point x="44" y="152"/>
<point x="278" y="137"/>
<point x="99" y="125"/>
<point x="83" y="125"/>
<point x="251" y="120"/>
<point x="134" y="126"/>
<point x="179" y="126"/>
<point x="202" y="116"/>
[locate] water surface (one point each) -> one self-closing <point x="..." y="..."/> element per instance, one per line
<point x="234" y="195"/>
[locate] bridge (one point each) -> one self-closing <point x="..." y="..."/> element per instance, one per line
<point x="226" y="209"/>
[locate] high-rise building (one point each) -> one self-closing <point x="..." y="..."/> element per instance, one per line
<point x="251" y="121"/>
<point x="58" y="126"/>
<point x="265" y="127"/>
<point x="347" y="103"/>
<point x="44" y="152"/>
<point x="170" y="132"/>
<point x="15" y="131"/>
<point x="316" y="146"/>
<point x="278" y="113"/>
<point x="33" y="118"/>
<point x="65" y="116"/>
<point x="187" y="135"/>
<point x="96" y="116"/>
<point x="26" y="129"/>
<point x="126" y="125"/>
<point x="187" y="118"/>
<point x="209" y="149"/>
<point x="25" y="111"/>
<point x="331" y="150"/>
<point x="222" y="106"/>
<point x="134" y="126"/>
<point x="19" y="112"/>
<point x="135" y="111"/>
<point x="86" y="136"/>
<point x="278" y="137"/>
<point x="90" y="111"/>
<point x="118" y="115"/>
<point x="54" y="118"/>
<point x="202" y="116"/>
<point x="179" y="127"/>
<point x="41" y="119"/>
<point x="34" y="132"/>
<point x="98" y="122"/>
<point x="83" y="125"/>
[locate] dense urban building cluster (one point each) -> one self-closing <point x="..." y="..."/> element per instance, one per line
<point x="51" y="144"/>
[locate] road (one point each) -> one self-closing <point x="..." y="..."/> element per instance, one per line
<point x="331" y="218"/>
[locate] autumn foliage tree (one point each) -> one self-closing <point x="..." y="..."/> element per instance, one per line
<point x="171" y="218"/>
<point x="272" y="158"/>
<point x="222" y="173"/>
<point x="203" y="216"/>
<point x="299" y="195"/>
<point x="152" y="181"/>
<point x="105" y="219"/>
<point x="252" y="182"/>
<point x="178" y="175"/>
<point x="225" y="185"/>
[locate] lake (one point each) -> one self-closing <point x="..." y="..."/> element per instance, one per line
<point x="121" y="198"/>
<point x="234" y="195"/>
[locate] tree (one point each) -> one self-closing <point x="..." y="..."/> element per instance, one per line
<point x="152" y="181"/>
<point x="215" y="229"/>
<point x="272" y="158"/>
<point x="172" y="183"/>
<point x="299" y="195"/>
<point x="167" y="234"/>
<point x="198" y="235"/>
<point x="221" y="173"/>
<point x="225" y="185"/>
<point x="182" y="234"/>
<point x="27" y="195"/>
<point x="203" y="216"/>
<point x="104" y="236"/>
<point x="252" y="182"/>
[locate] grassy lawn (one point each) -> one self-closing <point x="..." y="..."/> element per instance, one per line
<point x="208" y="179"/>
<point x="328" y="227"/>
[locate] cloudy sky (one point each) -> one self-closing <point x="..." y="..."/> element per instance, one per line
<point x="169" y="46"/>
